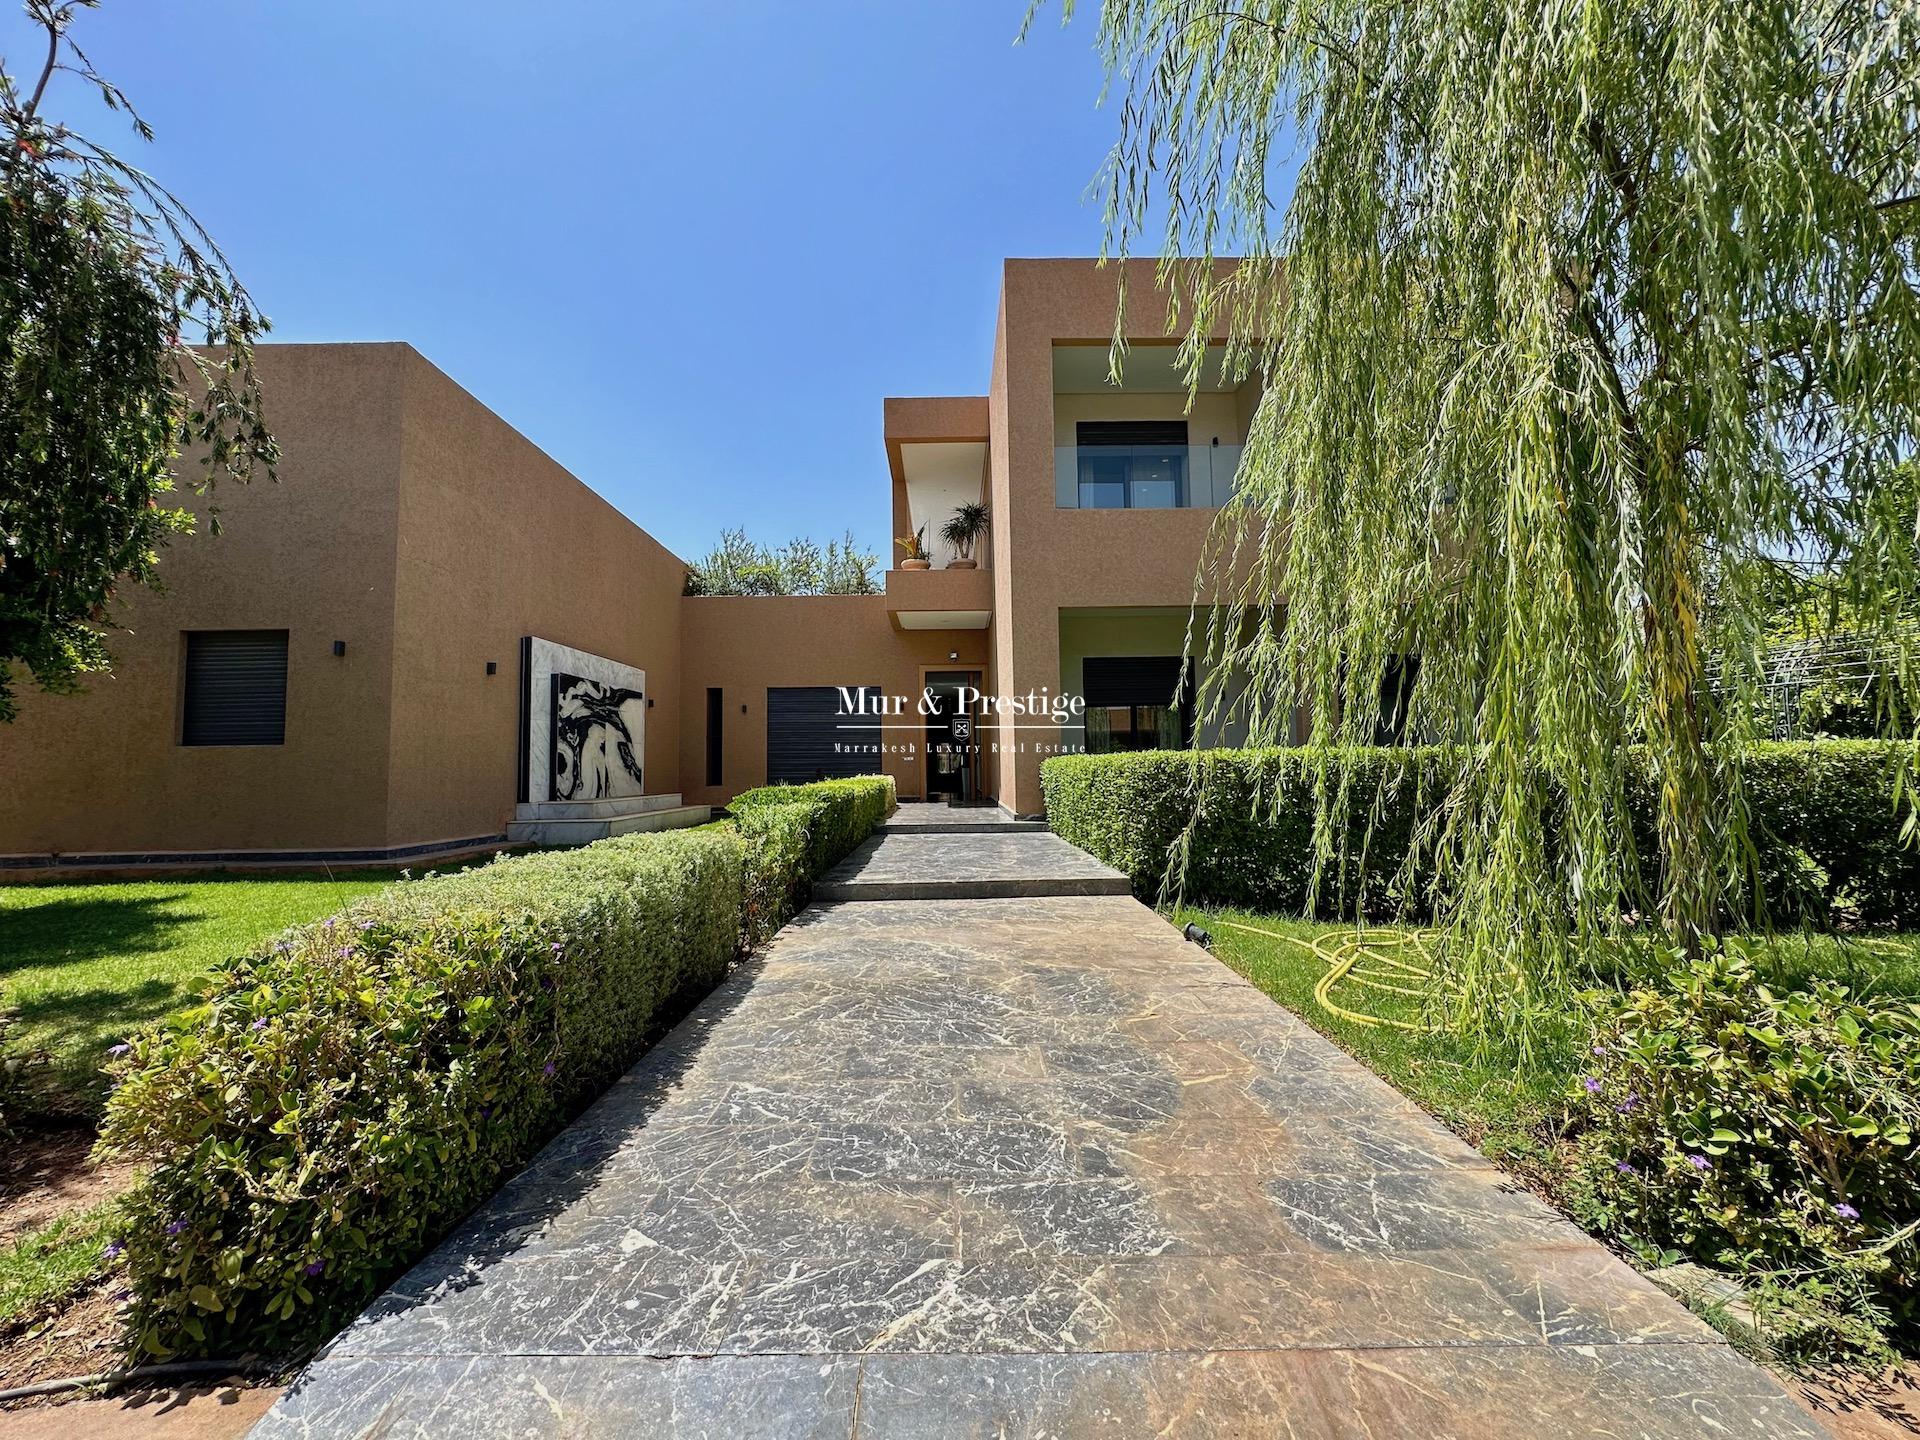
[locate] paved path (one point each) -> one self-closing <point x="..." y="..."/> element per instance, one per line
<point x="1017" y="1167"/>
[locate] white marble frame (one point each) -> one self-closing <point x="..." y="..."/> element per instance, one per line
<point x="541" y="658"/>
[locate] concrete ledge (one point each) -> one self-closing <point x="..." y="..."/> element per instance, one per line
<point x="61" y="866"/>
<point x="1037" y="887"/>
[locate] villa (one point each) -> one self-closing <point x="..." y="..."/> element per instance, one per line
<point x="429" y="639"/>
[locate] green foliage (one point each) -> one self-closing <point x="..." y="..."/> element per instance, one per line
<point x="1770" y="1133"/>
<point x="739" y="566"/>
<point x="86" y="965"/>
<point x="1573" y="323"/>
<point x="349" y="1092"/>
<point x="965" y="528"/>
<point x="795" y="833"/>
<point x="101" y="273"/>
<point x="1247" y="828"/>
<point x="41" y="1268"/>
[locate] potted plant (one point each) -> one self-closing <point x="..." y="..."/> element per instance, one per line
<point x="963" y="532"/>
<point x="915" y="546"/>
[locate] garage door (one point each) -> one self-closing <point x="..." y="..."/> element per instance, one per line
<point x="810" y="738"/>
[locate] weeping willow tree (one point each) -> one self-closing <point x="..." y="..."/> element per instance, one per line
<point x="1581" y="320"/>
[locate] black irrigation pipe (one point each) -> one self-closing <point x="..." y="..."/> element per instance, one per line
<point x="110" y="1379"/>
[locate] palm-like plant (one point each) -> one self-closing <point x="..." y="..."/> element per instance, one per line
<point x="966" y="527"/>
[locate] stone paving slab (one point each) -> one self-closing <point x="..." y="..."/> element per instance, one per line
<point x="964" y="866"/>
<point x="933" y="818"/>
<point x="1009" y="1168"/>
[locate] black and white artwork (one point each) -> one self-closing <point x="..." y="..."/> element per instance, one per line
<point x="583" y="721"/>
<point x="596" y="729"/>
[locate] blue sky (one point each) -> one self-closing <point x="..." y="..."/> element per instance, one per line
<point x="685" y="247"/>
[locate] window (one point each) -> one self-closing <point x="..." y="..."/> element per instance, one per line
<point x="1131" y="704"/>
<point x="1132" y="464"/>
<point x="236" y="688"/>
<point x="714" y="734"/>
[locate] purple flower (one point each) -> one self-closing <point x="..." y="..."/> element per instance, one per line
<point x="1699" y="1162"/>
<point x="1599" y="1049"/>
<point x="1625" y="1169"/>
<point x="1632" y="1102"/>
<point x="486" y="1111"/>
<point x="120" y="1049"/>
<point x="558" y="947"/>
<point x="548" y="1069"/>
<point x="366" y="924"/>
<point x="283" y="947"/>
<point x="1846" y="1211"/>
<point x="1592" y="1084"/>
<point x="314" y="1267"/>
<point x="346" y="952"/>
<point x="112" y="1250"/>
<point x="174" y="1227"/>
<point x="328" y="925"/>
<point x="259" y="1024"/>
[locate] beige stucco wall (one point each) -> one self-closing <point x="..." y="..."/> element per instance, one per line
<point x="1047" y="559"/>
<point x="421" y="529"/>
<point x="746" y="644"/>
<point x="498" y="541"/>
<point x="312" y="554"/>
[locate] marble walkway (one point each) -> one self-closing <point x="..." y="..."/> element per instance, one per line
<point x="1016" y="1167"/>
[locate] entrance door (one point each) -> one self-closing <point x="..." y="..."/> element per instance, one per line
<point x="953" y="754"/>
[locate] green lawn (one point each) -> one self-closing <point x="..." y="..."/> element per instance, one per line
<point x="82" y="965"/>
<point x="1516" y="1116"/>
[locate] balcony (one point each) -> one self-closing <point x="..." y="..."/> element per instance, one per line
<point x="940" y="599"/>
<point x="1145" y="477"/>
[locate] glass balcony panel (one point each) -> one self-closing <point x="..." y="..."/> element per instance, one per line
<point x="1144" y="477"/>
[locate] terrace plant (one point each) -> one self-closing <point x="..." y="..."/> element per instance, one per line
<point x="965" y="530"/>
<point x="1575" y="327"/>
<point x="913" y="550"/>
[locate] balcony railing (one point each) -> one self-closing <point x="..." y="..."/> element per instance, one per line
<point x="1144" y="477"/>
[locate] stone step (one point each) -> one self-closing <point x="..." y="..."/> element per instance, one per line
<point x="914" y="825"/>
<point x="595" y="809"/>
<point x="585" y="832"/>
<point x="967" y="866"/>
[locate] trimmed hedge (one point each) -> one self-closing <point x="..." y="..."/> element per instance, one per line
<point x="796" y="833"/>
<point x="347" y="1094"/>
<point x="1822" y="818"/>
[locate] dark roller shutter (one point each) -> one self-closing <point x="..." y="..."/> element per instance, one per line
<point x="236" y="688"/>
<point x="1130" y="679"/>
<point x="1130" y="432"/>
<point x="804" y="725"/>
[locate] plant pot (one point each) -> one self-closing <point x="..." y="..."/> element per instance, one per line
<point x="963" y="564"/>
<point x="916" y="564"/>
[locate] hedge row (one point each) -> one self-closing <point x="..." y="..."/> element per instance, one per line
<point x="351" y="1091"/>
<point x="796" y="833"/>
<point x="1825" y="828"/>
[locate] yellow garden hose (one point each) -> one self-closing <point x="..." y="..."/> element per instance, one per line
<point x="1385" y="972"/>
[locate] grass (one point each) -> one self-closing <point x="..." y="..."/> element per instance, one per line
<point x="46" y="1265"/>
<point x="83" y="965"/>
<point x="1516" y="1115"/>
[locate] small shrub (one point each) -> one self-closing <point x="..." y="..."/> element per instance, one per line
<point x="349" y="1093"/>
<point x="1770" y="1134"/>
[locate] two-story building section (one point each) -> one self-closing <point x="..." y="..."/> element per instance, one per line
<point x="430" y="639"/>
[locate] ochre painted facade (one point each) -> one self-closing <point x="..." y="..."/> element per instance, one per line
<point x="415" y="526"/>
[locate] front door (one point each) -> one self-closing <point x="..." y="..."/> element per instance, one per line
<point x="952" y="758"/>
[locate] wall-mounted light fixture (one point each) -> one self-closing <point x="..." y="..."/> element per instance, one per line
<point x="339" y="647"/>
<point x="493" y="667"/>
<point x="953" y="654"/>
